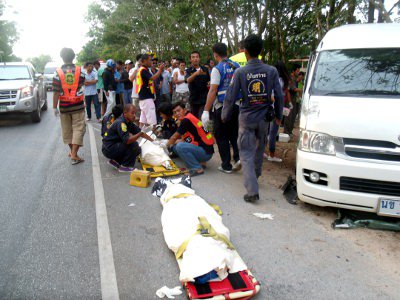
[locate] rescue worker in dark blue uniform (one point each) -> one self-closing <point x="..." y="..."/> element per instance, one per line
<point x="256" y="82"/>
<point x="120" y="141"/>
<point x="226" y="134"/>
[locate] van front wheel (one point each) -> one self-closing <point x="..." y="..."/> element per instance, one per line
<point x="35" y="115"/>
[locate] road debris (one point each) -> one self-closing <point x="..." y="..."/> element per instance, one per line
<point x="170" y="293"/>
<point x="264" y="216"/>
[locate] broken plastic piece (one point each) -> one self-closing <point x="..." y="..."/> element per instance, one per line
<point x="132" y="204"/>
<point x="352" y="219"/>
<point x="264" y="216"/>
<point x="170" y="293"/>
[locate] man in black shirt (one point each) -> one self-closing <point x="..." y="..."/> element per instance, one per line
<point x="110" y="86"/>
<point x="120" y="141"/>
<point x="198" y="78"/>
<point x="191" y="142"/>
<point x="146" y="91"/>
<point x="127" y="83"/>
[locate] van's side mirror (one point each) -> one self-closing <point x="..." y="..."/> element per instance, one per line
<point x="38" y="76"/>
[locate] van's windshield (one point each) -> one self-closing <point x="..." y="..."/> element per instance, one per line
<point x="358" y="71"/>
<point x="50" y="70"/>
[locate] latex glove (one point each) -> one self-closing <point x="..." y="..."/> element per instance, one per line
<point x="205" y="117"/>
<point x="170" y="293"/>
<point x="145" y="129"/>
<point x="56" y="112"/>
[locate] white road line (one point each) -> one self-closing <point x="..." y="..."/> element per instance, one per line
<point x="109" y="287"/>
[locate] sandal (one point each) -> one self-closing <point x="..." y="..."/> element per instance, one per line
<point x="194" y="173"/>
<point x="76" y="161"/>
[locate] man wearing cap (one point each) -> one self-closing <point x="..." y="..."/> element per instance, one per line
<point x="110" y="85"/>
<point x="127" y="83"/>
<point x="68" y="103"/>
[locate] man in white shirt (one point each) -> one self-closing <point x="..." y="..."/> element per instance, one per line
<point x="132" y="77"/>
<point x="91" y="92"/>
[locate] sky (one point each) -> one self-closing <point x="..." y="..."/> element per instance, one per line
<point x="46" y="26"/>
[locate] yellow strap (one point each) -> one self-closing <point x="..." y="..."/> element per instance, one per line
<point x="206" y="230"/>
<point x="215" y="206"/>
<point x="178" y="196"/>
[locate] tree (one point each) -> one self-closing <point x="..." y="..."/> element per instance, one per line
<point x="8" y="36"/>
<point x="40" y="61"/>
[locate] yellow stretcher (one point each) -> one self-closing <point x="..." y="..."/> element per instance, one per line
<point x="160" y="171"/>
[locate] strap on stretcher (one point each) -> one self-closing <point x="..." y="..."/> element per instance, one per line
<point x="184" y="195"/>
<point x="205" y="229"/>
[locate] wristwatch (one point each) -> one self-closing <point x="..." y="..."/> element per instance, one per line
<point x="185" y="80"/>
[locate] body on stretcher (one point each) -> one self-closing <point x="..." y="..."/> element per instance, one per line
<point x="194" y="231"/>
<point x="155" y="160"/>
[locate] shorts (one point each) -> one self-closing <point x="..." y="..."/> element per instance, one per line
<point x="73" y="127"/>
<point x="147" y="112"/>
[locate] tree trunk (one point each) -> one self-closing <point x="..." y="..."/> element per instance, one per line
<point x="380" y="10"/>
<point x="351" y="19"/>
<point x="371" y="11"/>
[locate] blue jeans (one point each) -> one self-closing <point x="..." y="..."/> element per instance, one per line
<point x="192" y="155"/>
<point x="88" y="100"/>
<point x="273" y="131"/>
<point x="127" y="96"/>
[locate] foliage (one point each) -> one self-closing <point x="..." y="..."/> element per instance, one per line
<point x="40" y="62"/>
<point x="8" y="36"/>
<point x="290" y="28"/>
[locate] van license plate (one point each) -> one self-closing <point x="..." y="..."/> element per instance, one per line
<point x="3" y="108"/>
<point x="389" y="207"/>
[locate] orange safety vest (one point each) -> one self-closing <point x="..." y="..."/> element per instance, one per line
<point x="139" y="82"/>
<point x="205" y="136"/>
<point x="70" y="89"/>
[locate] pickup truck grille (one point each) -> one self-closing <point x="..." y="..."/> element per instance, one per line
<point x="371" y="149"/>
<point x="369" y="186"/>
<point x="8" y="94"/>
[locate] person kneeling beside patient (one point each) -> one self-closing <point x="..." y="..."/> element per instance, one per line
<point x="191" y="142"/>
<point x="120" y="141"/>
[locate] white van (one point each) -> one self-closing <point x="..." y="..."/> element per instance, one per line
<point x="48" y="73"/>
<point x="349" y="150"/>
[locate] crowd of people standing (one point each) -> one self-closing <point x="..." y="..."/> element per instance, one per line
<point x="245" y="104"/>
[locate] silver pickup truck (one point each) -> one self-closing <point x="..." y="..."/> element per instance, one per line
<point x="22" y="90"/>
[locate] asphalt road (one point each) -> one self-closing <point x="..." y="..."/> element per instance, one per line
<point x="49" y="236"/>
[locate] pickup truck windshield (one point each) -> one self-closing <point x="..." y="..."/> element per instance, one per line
<point x="14" y="73"/>
<point x="358" y="71"/>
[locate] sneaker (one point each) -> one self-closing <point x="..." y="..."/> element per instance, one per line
<point x="124" y="169"/>
<point x="265" y="155"/>
<point x="275" y="159"/>
<point x="237" y="166"/>
<point x="87" y="119"/>
<point x="113" y="164"/>
<point x="224" y="171"/>
<point x="251" y="198"/>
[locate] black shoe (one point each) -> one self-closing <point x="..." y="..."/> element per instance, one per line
<point x="251" y="198"/>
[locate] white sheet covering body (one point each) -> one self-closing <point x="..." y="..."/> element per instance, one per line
<point x="203" y="254"/>
<point x="153" y="155"/>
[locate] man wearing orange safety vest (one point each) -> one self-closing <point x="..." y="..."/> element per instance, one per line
<point x="145" y="90"/>
<point x="68" y="103"/>
<point x="191" y="142"/>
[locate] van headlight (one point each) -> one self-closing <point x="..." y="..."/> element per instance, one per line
<point x="26" y="91"/>
<point x="317" y="142"/>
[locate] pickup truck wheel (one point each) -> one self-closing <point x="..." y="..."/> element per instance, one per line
<point x="45" y="106"/>
<point x="35" y="115"/>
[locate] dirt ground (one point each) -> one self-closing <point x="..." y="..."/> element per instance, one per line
<point x="379" y="245"/>
<point x="281" y="171"/>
